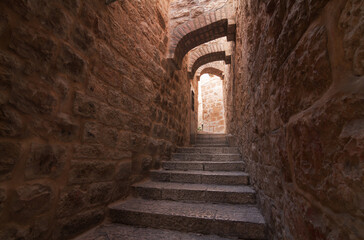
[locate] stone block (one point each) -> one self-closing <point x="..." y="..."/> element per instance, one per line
<point x="45" y="161"/>
<point x="11" y="123"/>
<point x="33" y="98"/>
<point x="309" y="61"/>
<point x="351" y="23"/>
<point x="70" y="62"/>
<point x="3" y="197"/>
<point x="325" y="151"/>
<point x="29" y="44"/>
<point x="91" y="171"/>
<point x="72" y="200"/>
<point x="69" y="227"/>
<point x="85" y="106"/>
<point x="99" y="193"/>
<point x="83" y="38"/>
<point x="9" y="157"/>
<point x="31" y="200"/>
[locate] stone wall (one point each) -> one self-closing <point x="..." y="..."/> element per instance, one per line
<point x="182" y="11"/>
<point x="297" y="109"/>
<point x="213" y="116"/>
<point x="87" y="106"/>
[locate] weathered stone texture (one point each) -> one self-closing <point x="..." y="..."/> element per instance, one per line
<point x="295" y="103"/>
<point x="88" y="106"/>
<point x="212" y="104"/>
<point x="351" y="23"/>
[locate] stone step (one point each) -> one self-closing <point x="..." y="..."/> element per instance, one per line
<point x="205" y="136"/>
<point x="210" y="145"/>
<point x="205" y="157"/>
<point x="215" y="150"/>
<point x="204" y="165"/>
<point x="244" y="221"/>
<point x="114" y="231"/>
<point x="211" y="141"/>
<point x="204" y="177"/>
<point x="195" y="192"/>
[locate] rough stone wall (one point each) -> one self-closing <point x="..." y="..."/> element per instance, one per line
<point x="182" y="11"/>
<point x="86" y="108"/>
<point x="297" y="109"/>
<point x="213" y="116"/>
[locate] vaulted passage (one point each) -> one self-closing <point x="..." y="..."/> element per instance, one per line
<point x="101" y="136"/>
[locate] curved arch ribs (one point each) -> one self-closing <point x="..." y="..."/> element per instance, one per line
<point x="216" y="68"/>
<point x="210" y="53"/>
<point x="205" y="28"/>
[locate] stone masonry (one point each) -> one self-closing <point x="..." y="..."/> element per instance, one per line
<point x="212" y="108"/>
<point x="99" y="115"/>
<point x="87" y="107"/>
<point x="296" y="104"/>
<point x="202" y="189"/>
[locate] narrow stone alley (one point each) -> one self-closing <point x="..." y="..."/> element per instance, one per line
<point x="181" y="119"/>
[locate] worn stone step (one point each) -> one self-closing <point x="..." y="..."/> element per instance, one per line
<point x="211" y="141"/>
<point x="113" y="231"/>
<point x="211" y="137"/>
<point x="210" y="145"/>
<point x="204" y="177"/>
<point x="244" y="221"/>
<point x="205" y="157"/>
<point x="204" y="165"/>
<point x="215" y="150"/>
<point x="195" y="192"/>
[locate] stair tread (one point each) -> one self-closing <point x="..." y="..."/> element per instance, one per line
<point x="204" y="162"/>
<point x="126" y="232"/>
<point x="215" y="212"/>
<point x="195" y="187"/>
<point x="214" y="154"/>
<point x="197" y="172"/>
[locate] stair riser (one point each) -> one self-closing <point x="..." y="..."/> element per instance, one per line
<point x="210" y="141"/>
<point x="203" y="166"/>
<point x="204" y="157"/>
<point x="219" y="150"/>
<point x="195" y="195"/>
<point x="211" y="136"/>
<point x="204" y="179"/>
<point x="188" y="224"/>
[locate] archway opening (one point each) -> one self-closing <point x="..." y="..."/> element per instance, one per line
<point x="211" y="112"/>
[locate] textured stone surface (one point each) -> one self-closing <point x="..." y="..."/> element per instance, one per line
<point x="119" y="231"/>
<point x="295" y="104"/>
<point x="207" y="150"/>
<point x="351" y="23"/>
<point x="211" y="104"/>
<point x="208" y="165"/>
<point x="235" y="220"/>
<point x="45" y="161"/>
<point x="205" y="157"/>
<point x="195" y="192"/>
<point x="87" y="106"/>
<point x="10" y="154"/>
<point x="31" y="200"/>
<point x="207" y="177"/>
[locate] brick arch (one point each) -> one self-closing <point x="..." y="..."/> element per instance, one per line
<point x="216" y="68"/>
<point x="213" y="71"/>
<point x="208" y="58"/>
<point x="205" y="28"/>
<point x="202" y="50"/>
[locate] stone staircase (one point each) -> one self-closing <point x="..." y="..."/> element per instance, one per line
<point x="202" y="190"/>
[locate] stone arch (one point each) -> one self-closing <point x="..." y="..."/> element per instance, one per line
<point x="208" y="58"/>
<point x="205" y="28"/>
<point x="216" y="68"/>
